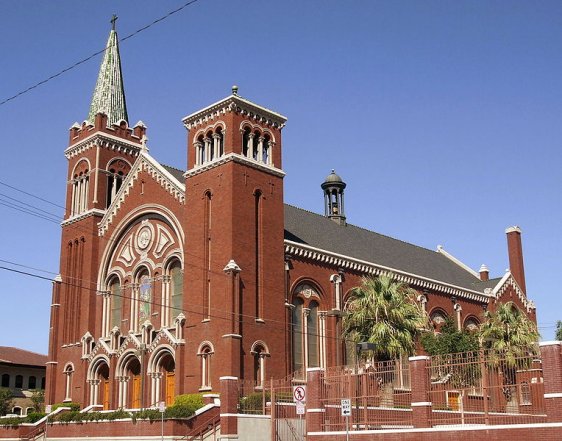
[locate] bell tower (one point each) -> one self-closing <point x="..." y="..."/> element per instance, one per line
<point x="234" y="248"/>
<point x="100" y="153"/>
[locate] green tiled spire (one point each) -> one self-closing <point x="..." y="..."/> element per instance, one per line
<point x="109" y="94"/>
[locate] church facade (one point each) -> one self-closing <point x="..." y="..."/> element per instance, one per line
<point x="170" y="279"/>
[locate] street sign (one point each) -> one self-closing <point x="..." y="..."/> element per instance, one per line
<point x="48" y="408"/>
<point x="299" y="394"/>
<point x="300" y="408"/>
<point x="162" y="406"/>
<point x="346" y="407"/>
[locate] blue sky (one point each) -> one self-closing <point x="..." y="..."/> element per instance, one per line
<point x="442" y="117"/>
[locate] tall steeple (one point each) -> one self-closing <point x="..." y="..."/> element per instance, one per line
<point x="109" y="94"/>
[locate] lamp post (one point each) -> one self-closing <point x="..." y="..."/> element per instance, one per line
<point x="360" y="347"/>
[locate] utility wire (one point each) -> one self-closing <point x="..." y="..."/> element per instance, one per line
<point x="78" y="63"/>
<point x="250" y="319"/>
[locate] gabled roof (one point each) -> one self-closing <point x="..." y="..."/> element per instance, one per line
<point x="315" y="230"/>
<point x="11" y="355"/>
<point x="109" y="94"/>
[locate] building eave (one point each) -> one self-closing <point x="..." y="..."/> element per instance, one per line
<point x="342" y="261"/>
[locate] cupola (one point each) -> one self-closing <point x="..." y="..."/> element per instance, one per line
<point x="333" y="187"/>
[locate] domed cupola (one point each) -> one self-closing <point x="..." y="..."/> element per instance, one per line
<point x="333" y="188"/>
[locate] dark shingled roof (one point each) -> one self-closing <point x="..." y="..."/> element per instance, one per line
<point x="175" y="172"/>
<point x="321" y="232"/>
<point x="13" y="355"/>
<point x="482" y="285"/>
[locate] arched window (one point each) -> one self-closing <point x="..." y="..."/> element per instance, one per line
<point x="219" y="142"/>
<point x="260" y="352"/>
<point x="266" y="148"/>
<point x="19" y="381"/>
<point x="176" y="285"/>
<point x="471" y="324"/>
<point x="308" y="329"/>
<point x="68" y="371"/>
<point x="247" y="142"/>
<point x="16" y="410"/>
<point x="29" y="410"/>
<point x="438" y="318"/>
<point x="5" y="380"/>
<point x="297" y="334"/>
<point x="145" y="297"/>
<point x="32" y="382"/>
<point x="117" y="172"/>
<point x="200" y="151"/>
<point x="80" y="188"/>
<point x="116" y="302"/>
<point x="205" y="352"/>
<point x="42" y="382"/>
<point x="312" y="334"/>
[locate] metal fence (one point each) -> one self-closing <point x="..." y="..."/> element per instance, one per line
<point x="486" y="387"/>
<point x="380" y="396"/>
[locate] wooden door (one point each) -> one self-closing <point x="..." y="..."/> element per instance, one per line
<point x="170" y="388"/>
<point x="105" y="397"/>
<point x="136" y="392"/>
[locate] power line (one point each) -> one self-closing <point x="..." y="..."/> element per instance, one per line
<point x="78" y="63"/>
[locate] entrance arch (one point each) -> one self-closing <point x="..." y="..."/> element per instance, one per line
<point x="162" y="367"/>
<point x="129" y="375"/>
<point x="98" y="378"/>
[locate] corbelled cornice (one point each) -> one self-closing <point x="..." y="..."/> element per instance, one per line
<point x="237" y="104"/>
<point x="103" y="140"/>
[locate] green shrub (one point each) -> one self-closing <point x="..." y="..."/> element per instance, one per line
<point x="194" y="401"/>
<point x="67" y="417"/>
<point x="147" y="414"/>
<point x="253" y="402"/>
<point x="11" y="422"/>
<point x="73" y="406"/>
<point x="33" y="417"/>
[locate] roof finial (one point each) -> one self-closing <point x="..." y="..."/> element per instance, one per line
<point x="235" y="90"/>
<point x="113" y="20"/>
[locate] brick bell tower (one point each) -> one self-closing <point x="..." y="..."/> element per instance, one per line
<point x="234" y="273"/>
<point x="101" y="152"/>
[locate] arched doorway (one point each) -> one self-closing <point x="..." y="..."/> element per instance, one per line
<point x="162" y="369"/>
<point x="133" y="372"/>
<point x="98" y="378"/>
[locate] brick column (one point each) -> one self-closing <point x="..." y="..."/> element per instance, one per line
<point x="229" y="408"/>
<point x="419" y="379"/>
<point x="551" y="353"/>
<point x="314" y="406"/>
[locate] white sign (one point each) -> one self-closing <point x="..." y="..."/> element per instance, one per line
<point x="346" y="407"/>
<point x="300" y="408"/>
<point x="162" y="406"/>
<point x="48" y="408"/>
<point x="299" y="394"/>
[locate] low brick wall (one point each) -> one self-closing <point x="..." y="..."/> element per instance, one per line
<point x="523" y="432"/>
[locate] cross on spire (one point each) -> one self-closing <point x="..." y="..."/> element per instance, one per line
<point x="113" y="20"/>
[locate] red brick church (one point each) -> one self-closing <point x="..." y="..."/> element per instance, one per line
<point x="170" y="279"/>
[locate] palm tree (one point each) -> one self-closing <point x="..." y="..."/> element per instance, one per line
<point x="512" y="339"/>
<point x="383" y="311"/>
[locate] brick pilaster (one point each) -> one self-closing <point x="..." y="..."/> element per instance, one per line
<point x="419" y="379"/>
<point x="229" y="408"/>
<point x="551" y="353"/>
<point x="314" y="405"/>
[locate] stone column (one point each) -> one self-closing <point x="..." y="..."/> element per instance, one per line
<point x="229" y="408"/>
<point x="419" y="379"/>
<point x="551" y="353"/>
<point x="314" y="406"/>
